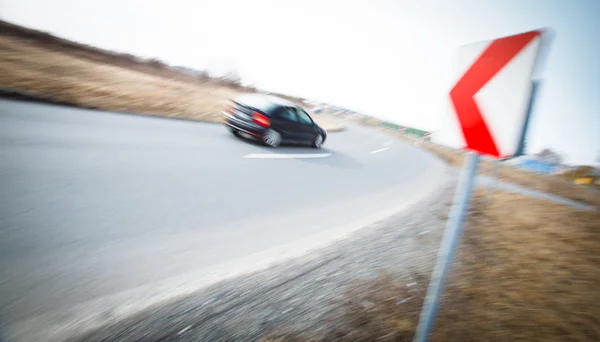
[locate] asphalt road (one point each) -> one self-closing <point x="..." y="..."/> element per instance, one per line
<point x="93" y="204"/>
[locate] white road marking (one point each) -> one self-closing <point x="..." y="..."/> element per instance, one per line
<point x="184" y="330"/>
<point x="285" y="156"/>
<point x="380" y="150"/>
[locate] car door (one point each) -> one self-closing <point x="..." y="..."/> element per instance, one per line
<point x="285" y="121"/>
<point x="307" y="129"/>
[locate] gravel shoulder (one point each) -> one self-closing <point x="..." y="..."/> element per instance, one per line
<point x="299" y="295"/>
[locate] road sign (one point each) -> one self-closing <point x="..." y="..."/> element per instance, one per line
<point x="491" y="99"/>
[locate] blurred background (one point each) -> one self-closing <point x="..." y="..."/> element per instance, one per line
<point x="128" y="212"/>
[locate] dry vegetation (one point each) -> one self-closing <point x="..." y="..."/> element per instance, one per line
<point x="546" y="183"/>
<point x="527" y="270"/>
<point x="44" y="66"/>
<point x="89" y="84"/>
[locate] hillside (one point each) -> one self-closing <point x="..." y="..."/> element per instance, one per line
<point x="40" y="65"/>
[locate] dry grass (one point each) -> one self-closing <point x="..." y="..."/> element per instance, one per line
<point x="527" y="270"/>
<point x="65" y="76"/>
<point x="95" y="85"/>
<point x="546" y="183"/>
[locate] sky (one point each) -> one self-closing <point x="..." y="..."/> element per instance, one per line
<point x="396" y="60"/>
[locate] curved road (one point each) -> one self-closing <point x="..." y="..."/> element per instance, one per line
<point x="93" y="204"/>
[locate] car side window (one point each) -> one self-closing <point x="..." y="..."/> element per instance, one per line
<point x="304" y="117"/>
<point x="287" y="114"/>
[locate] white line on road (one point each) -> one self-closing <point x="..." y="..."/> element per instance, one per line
<point x="286" y="156"/>
<point x="380" y="150"/>
<point x="184" y="330"/>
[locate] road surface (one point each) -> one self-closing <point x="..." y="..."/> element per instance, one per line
<point x="94" y="204"/>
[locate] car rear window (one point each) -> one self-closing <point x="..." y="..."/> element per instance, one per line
<point x="256" y="101"/>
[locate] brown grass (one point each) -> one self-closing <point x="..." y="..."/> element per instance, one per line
<point x="553" y="184"/>
<point x="527" y="270"/>
<point x="95" y="85"/>
<point x="92" y="78"/>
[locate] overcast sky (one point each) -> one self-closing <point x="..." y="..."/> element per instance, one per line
<point x="395" y="60"/>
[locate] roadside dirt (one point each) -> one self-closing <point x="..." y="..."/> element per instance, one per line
<point x="528" y="270"/>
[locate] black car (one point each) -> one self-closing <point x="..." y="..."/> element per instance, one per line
<point x="273" y="120"/>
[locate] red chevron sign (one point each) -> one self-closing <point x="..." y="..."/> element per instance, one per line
<point x="491" y="98"/>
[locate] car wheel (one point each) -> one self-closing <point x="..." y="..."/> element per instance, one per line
<point x="272" y="138"/>
<point x="235" y="132"/>
<point x="318" y="143"/>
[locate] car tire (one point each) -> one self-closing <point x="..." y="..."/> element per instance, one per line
<point x="272" y="138"/>
<point x="318" y="142"/>
<point x="235" y="132"/>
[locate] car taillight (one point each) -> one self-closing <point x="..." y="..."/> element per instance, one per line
<point x="261" y="119"/>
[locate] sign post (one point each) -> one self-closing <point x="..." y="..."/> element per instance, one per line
<point x="450" y="242"/>
<point x="492" y="103"/>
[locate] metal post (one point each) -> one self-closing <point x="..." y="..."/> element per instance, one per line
<point x="450" y="242"/>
